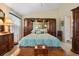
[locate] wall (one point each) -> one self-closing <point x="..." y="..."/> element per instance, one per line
<point x="5" y="9"/>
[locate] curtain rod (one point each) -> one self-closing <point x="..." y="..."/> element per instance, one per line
<point x="15" y="15"/>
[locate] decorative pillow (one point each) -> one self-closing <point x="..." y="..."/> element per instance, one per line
<point x="38" y="32"/>
<point x="44" y="31"/>
<point x="33" y="31"/>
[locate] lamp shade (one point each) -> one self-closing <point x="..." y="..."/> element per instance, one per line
<point x="1" y="22"/>
<point x="8" y="22"/>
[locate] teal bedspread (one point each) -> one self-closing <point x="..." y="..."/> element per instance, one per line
<point x="40" y="39"/>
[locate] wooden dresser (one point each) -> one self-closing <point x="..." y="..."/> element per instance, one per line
<point x="6" y="42"/>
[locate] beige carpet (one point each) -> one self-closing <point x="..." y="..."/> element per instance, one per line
<point x="66" y="46"/>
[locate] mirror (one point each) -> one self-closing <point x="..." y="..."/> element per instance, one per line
<point x="2" y="15"/>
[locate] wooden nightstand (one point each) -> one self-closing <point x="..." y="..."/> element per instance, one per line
<point x="40" y="51"/>
<point x="59" y="35"/>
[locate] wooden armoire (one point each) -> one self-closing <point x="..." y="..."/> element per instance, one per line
<point x="75" y="39"/>
<point x="28" y="25"/>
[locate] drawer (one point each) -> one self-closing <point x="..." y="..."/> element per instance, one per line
<point x="38" y="51"/>
<point x="3" y="43"/>
<point x="10" y="48"/>
<point x="41" y="51"/>
<point x="3" y="49"/>
<point x="3" y="40"/>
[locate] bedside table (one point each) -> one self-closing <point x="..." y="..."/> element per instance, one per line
<point x="40" y="50"/>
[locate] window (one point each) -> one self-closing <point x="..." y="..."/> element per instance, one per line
<point x="16" y="27"/>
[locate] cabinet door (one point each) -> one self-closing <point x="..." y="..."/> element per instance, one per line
<point x="3" y="44"/>
<point x="3" y="40"/>
<point x="28" y="26"/>
<point x="76" y="24"/>
<point x="3" y="49"/>
<point x="10" y="41"/>
<point x="75" y="41"/>
<point x="52" y="27"/>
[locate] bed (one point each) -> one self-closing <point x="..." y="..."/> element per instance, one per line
<point x="27" y="44"/>
<point x="32" y="40"/>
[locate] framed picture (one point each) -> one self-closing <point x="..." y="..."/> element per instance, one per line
<point x="62" y="23"/>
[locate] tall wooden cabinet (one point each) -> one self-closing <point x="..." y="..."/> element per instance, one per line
<point x="75" y="40"/>
<point x="28" y="25"/>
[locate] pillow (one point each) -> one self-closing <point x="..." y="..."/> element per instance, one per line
<point x="33" y="31"/>
<point x="38" y="32"/>
<point x="44" y="31"/>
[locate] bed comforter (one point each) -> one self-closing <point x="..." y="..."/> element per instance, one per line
<point x="32" y="40"/>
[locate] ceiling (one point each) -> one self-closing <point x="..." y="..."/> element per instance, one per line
<point x="29" y="8"/>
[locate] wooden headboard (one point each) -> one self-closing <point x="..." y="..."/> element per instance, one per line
<point x="28" y="25"/>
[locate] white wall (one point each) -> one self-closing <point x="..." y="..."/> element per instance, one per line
<point x="5" y="9"/>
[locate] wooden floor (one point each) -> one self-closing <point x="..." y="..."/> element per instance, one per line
<point x="51" y="52"/>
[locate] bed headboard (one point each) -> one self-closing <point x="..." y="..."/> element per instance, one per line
<point x="50" y="22"/>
